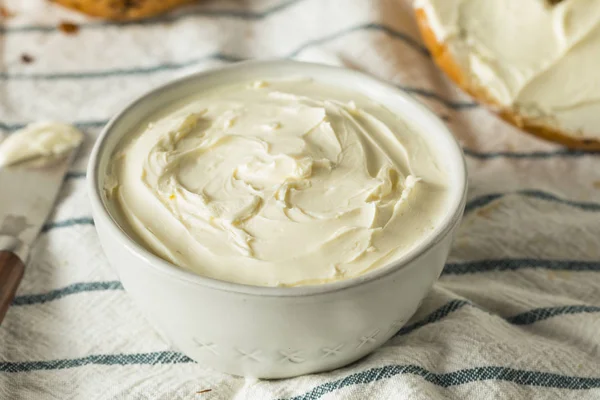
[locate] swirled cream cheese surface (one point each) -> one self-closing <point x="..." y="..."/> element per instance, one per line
<point x="278" y="183"/>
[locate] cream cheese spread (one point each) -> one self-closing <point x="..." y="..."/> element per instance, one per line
<point x="534" y="57"/>
<point x="277" y="183"/>
<point x="40" y="142"/>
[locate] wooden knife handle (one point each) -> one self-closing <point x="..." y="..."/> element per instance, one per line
<point x="11" y="272"/>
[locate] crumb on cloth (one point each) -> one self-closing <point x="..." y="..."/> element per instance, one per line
<point x="26" y="58"/>
<point x="6" y="13"/>
<point x="69" y="28"/>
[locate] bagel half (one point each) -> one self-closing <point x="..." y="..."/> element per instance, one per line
<point x="449" y="58"/>
<point x="122" y="10"/>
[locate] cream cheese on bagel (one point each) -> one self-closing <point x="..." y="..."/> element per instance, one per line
<point x="536" y="58"/>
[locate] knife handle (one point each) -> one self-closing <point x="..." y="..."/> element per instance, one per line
<point x="11" y="272"/>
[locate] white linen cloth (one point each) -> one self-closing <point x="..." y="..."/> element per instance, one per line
<point x="516" y="314"/>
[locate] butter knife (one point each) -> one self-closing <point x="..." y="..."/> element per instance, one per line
<point x="28" y="191"/>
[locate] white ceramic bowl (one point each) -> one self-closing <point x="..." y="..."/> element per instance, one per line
<point x="270" y="332"/>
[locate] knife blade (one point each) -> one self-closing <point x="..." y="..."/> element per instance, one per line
<point x="27" y="194"/>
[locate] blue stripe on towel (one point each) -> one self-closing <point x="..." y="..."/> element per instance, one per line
<point x="67" y="223"/>
<point x="541" y="155"/>
<point x="217" y="56"/>
<point x="484" y="200"/>
<point x="155" y="358"/>
<point x="540" y="314"/>
<point x="455" y="378"/>
<point x="75" y="175"/>
<point x="455" y="105"/>
<point x="30" y="299"/>
<point x="435" y="316"/>
<point x="81" y="125"/>
<point x="473" y="267"/>
<point x="525" y="318"/>
<point x="363" y="27"/>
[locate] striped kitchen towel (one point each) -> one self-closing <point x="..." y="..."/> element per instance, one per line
<point x="516" y="314"/>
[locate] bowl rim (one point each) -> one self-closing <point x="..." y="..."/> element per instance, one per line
<point x="99" y="210"/>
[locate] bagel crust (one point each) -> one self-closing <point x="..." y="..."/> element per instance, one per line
<point x="121" y="10"/>
<point x="448" y="63"/>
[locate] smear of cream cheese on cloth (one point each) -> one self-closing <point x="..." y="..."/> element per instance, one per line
<point x="281" y="183"/>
